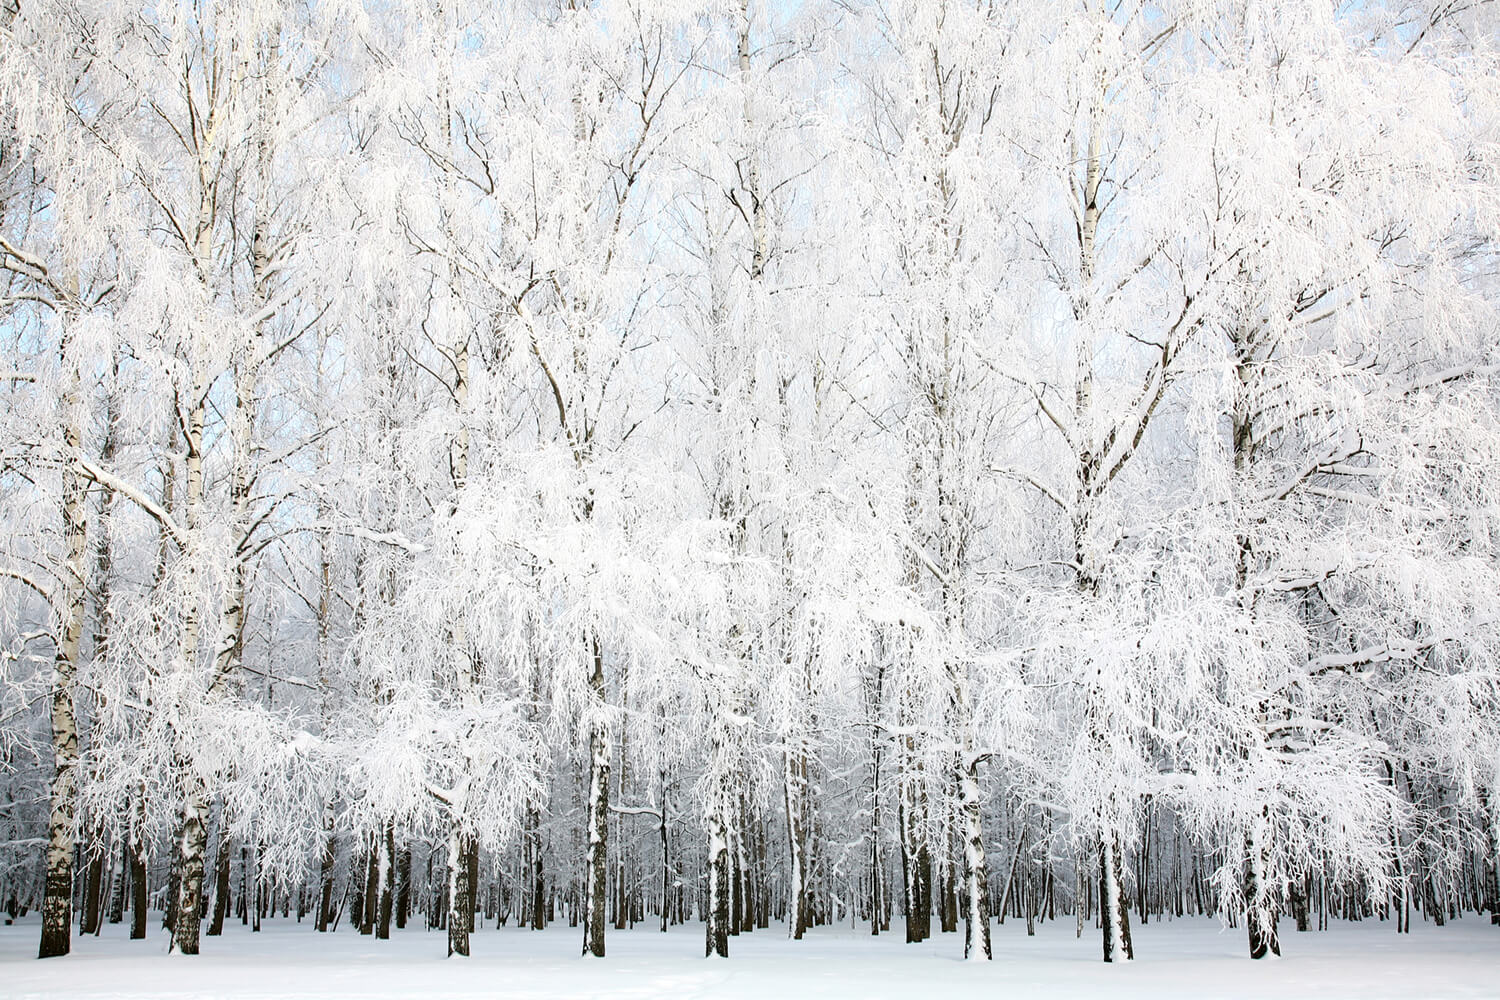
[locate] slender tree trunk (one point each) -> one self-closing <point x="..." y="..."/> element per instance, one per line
<point x="743" y="841"/>
<point x="1492" y="824"/>
<point x="878" y="904"/>
<point x="471" y="858"/>
<point x="1143" y="866"/>
<point x="370" y="873"/>
<point x="188" y="917"/>
<point x="328" y="855"/>
<point x="119" y="883"/>
<point x="622" y="905"/>
<point x="1301" y="893"/>
<point x="1090" y="482"/>
<point x="1010" y="879"/>
<point x="193" y="845"/>
<point x="795" y="780"/>
<point x="57" y="894"/>
<point x="947" y="887"/>
<point x="139" y="890"/>
<point x="1261" y="905"/>
<point x="221" y="881"/>
<point x="103" y="628"/>
<point x="259" y="891"/>
<point x="717" y="908"/>
<point x="93" y="883"/>
<point x="403" y="891"/>
<point x="1114" y="903"/>
<point x="596" y="870"/>
<point x="192" y="839"/>
<point x="736" y="877"/>
<point x="976" y="868"/>
<point x="760" y="869"/>
<point x="976" y="871"/>
<point x="666" y="859"/>
<point x="916" y="854"/>
<point x="325" y="870"/>
<point x="387" y="882"/>
<point x="460" y="892"/>
<point x="533" y="872"/>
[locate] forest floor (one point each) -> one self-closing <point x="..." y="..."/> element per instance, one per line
<point x="1184" y="958"/>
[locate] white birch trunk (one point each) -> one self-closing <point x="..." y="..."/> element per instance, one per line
<point x="57" y="898"/>
<point x="460" y="903"/>
<point x="716" y="823"/>
<point x="192" y="844"/>
<point x="596" y="869"/>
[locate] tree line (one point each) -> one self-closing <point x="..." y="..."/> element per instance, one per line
<point x="669" y="460"/>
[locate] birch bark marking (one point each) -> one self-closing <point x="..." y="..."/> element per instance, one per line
<point x="954" y="521"/>
<point x="911" y="818"/>
<point x="241" y="420"/>
<point x="1258" y="887"/>
<point x="386" y="884"/>
<point x="329" y="847"/>
<point x="461" y="840"/>
<point x="460" y="909"/>
<point x="57" y="897"/>
<point x="794" y="760"/>
<point x="795" y="779"/>
<point x="136" y="837"/>
<point x="596" y="882"/>
<point x="717" y="907"/>
<point x="533" y="864"/>
<point x="1114" y="920"/>
<point x="192" y="842"/>
<point x="757" y="218"/>
<point x="194" y="836"/>
<point x="96" y="885"/>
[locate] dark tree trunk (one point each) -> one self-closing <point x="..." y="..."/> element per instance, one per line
<point x="258" y="897"/>
<point x="139" y="894"/>
<point x="916" y="855"/>
<point x="371" y="898"/>
<point x="762" y="874"/>
<point x="948" y="894"/>
<point x="536" y="874"/>
<point x="795" y="782"/>
<point x="221" y="887"/>
<point x="403" y="891"/>
<point x="359" y="882"/>
<point x="666" y="862"/>
<point x="744" y="858"/>
<point x="387" y="882"/>
<point x="736" y="880"/>
<point x="325" y="872"/>
<point x="242" y="905"/>
<point x="471" y="858"/>
<point x="118" y="885"/>
<point x="621" y="903"/>
<point x="93" y="885"/>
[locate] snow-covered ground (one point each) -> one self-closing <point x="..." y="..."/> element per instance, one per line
<point x="1191" y="958"/>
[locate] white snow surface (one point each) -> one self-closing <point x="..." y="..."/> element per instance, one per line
<point x="1186" y="958"/>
